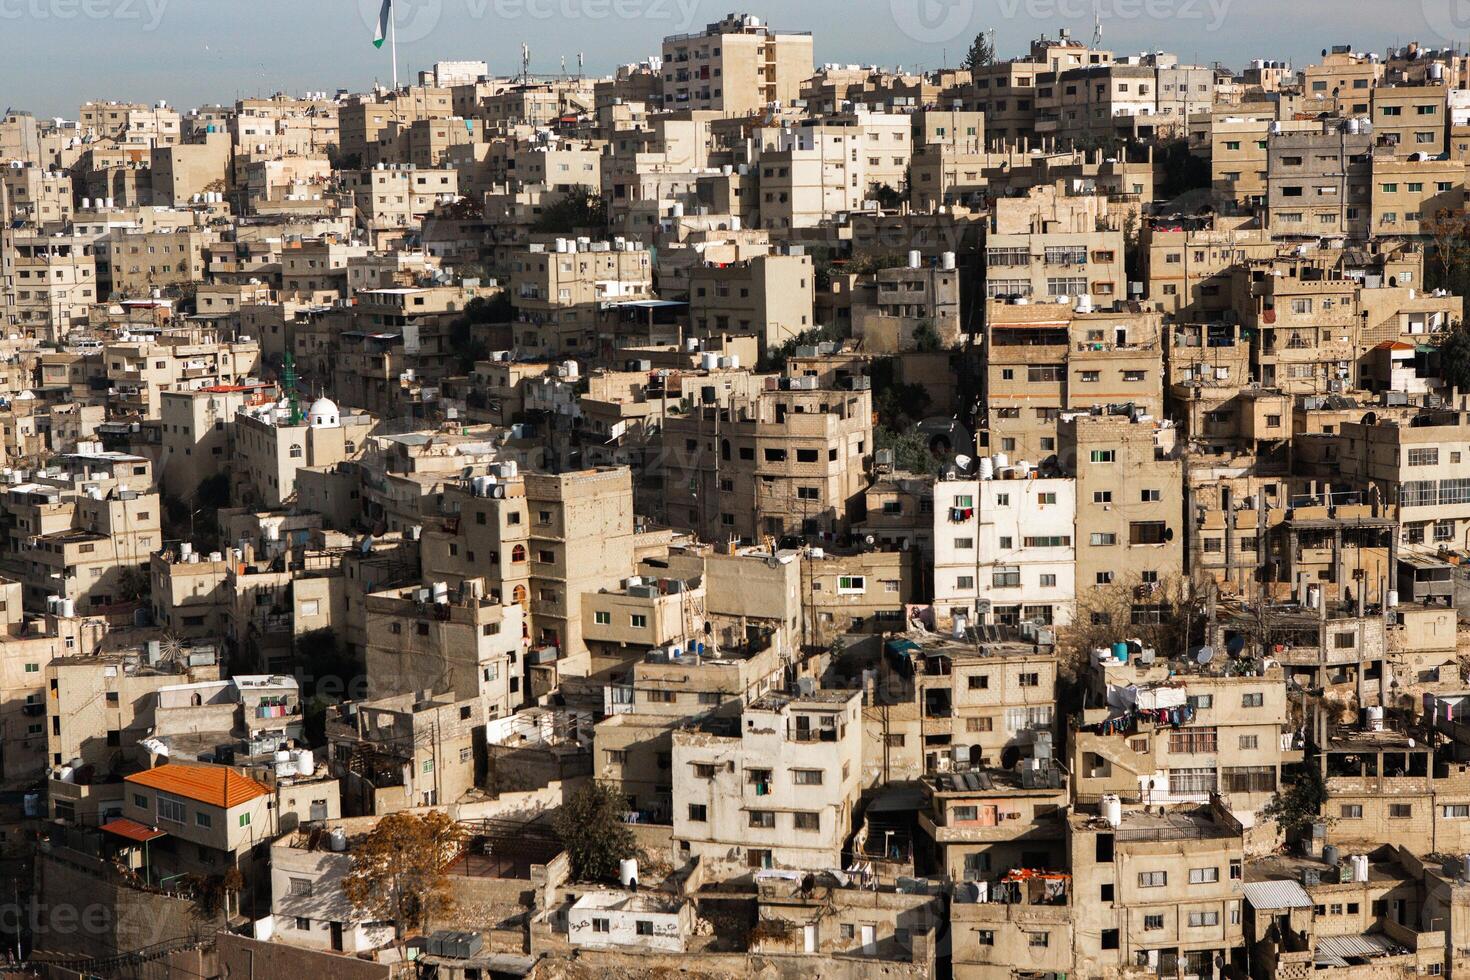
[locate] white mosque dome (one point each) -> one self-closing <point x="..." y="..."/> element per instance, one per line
<point x="323" y="414"/>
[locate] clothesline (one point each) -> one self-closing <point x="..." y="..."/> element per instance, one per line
<point x="1127" y="723"/>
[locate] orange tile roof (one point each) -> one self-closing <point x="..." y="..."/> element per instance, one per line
<point x="218" y="786"/>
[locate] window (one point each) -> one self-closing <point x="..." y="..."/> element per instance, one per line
<point x="1102" y="496"/>
<point x="1040" y="940"/>
<point x="1248" y="742"/>
<point x="1098" y="538"/>
<point x="1153" y="879"/>
<point x="1044" y="499"/>
<point x="1050" y="541"/>
<point x="638" y="621"/>
<point x="1147" y="532"/>
<point x="1153" y="922"/>
<point x="807" y="821"/>
<point x="601" y="925"/>
<point x="170" y="810"/>
<point x="983" y="937"/>
<point x="1204" y="876"/>
<point x="1030" y="679"/>
<point x="851" y="585"/>
<point x="205" y="820"/>
<point x="1150" y="496"/>
<point x="806" y="777"/>
<point x="1198" y="919"/>
<point x="1196" y="781"/>
<point x="1400" y="811"/>
<point x="1254" y="700"/>
<point x="1424" y="457"/>
<point x="1103" y="456"/>
<point x="763" y="819"/>
<point x="698" y="813"/>
<point x="1006" y="577"/>
<point x="300" y="886"/>
<point x="1351" y="811"/>
<point x="602" y="618"/>
<point x="1194" y="740"/>
<point x="1454" y="811"/>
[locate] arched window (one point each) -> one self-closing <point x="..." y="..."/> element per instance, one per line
<point x="518" y="554"/>
<point x="519" y="595"/>
<point x="295" y="452"/>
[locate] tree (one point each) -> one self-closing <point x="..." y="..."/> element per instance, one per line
<point x="1298" y="804"/>
<point x="911" y="452"/>
<point x="1454" y="357"/>
<point x="1449" y="231"/>
<point x="582" y="209"/>
<point x="399" y="872"/>
<point x="981" y="53"/>
<point x="592" y="830"/>
<point x="1161" y="615"/>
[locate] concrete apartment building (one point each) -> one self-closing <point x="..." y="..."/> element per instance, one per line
<point x="183" y="171"/>
<point x="1417" y="466"/>
<point x="1409" y="193"/>
<point x="315" y="272"/>
<point x="90" y="562"/>
<point x="1051" y="260"/>
<point x="198" y="430"/>
<point x="1411" y="118"/>
<point x="412" y="750"/>
<point x="1320" y="183"/>
<point x="1047" y="359"/>
<point x="188" y="592"/>
<point x="808" y="174"/>
<point x="142" y="261"/>
<point x="1007" y="544"/>
<point x="47" y="282"/>
<point x="633" y="746"/>
<point x="140" y="369"/>
<point x="789" y="459"/>
<point x="768" y="297"/>
<point x="273" y="442"/>
<point x="37" y="196"/>
<point x="1156" y="888"/>
<point x="1237" y="145"/>
<point x="775" y="790"/>
<point x="1234" y="743"/>
<point x="462" y="644"/>
<point x="910" y="307"/>
<point x="393" y="200"/>
<point x="1187" y="264"/>
<point x="1006" y="91"/>
<point x="1130" y="503"/>
<point x="582" y="540"/>
<point x="984" y="699"/>
<point x="735" y="66"/>
<point x="561" y="292"/>
<point x="131" y="122"/>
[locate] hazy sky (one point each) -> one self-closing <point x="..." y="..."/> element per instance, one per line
<point x="54" y="54"/>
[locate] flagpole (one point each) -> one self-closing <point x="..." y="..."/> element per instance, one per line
<point x="393" y="42"/>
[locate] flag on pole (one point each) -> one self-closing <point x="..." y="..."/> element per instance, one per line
<point x="384" y="19"/>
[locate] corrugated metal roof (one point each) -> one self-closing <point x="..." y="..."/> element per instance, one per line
<point x="1346" y="947"/>
<point x="1279" y="894"/>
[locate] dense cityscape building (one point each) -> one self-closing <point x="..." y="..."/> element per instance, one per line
<point x="742" y="516"/>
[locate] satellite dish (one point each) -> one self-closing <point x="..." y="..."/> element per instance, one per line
<point x="807" y="686"/>
<point x="870" y="540"/>
<point x="963" y="462"/>
<point x="1204" y="655"/>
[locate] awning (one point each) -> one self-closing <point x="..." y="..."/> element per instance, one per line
<point x="132" y="830"/>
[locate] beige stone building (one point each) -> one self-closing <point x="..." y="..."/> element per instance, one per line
<point x="407" y="751"/>
<point x="768" y="297"/>
<point x="274" y="442"/>
<point x="776" y="790"/>
<point x="787" y="460"/>
<point x="561" y="292"/>
<point x="735" y="66"/>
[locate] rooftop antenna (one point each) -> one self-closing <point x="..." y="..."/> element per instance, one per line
<point x="1096" y="23"/>
<point x="525" y="63"/>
